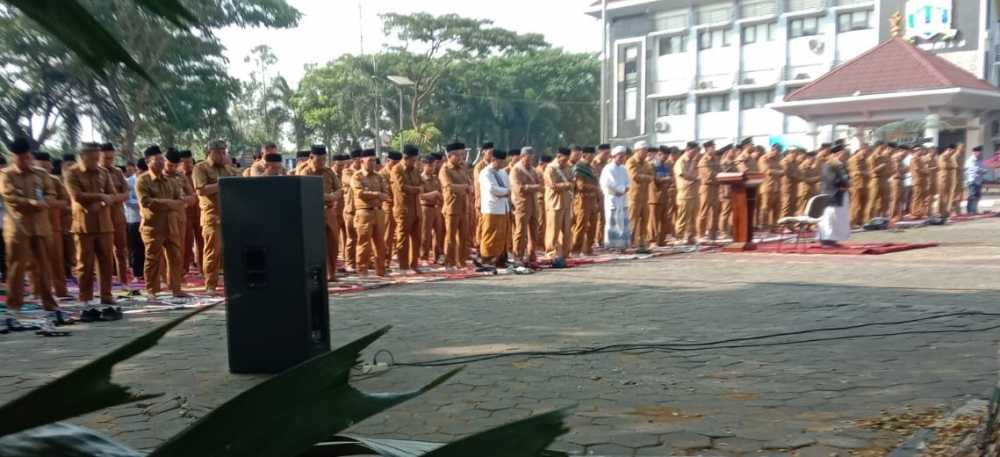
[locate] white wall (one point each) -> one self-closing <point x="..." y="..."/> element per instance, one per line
<point x="760" y="121"/>
<point x="673" y="73"/>
<point x="852" y="44"/>
<point x="716" y="125"/>
<point x="681" y="129"/>
<point x="760" y="56"/>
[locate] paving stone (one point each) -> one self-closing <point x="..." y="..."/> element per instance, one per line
<point x="610" y="450"/>
<point x="635" y="440"/>
<point x="820" y="451"/>
<point x="686" y="441"/>
<point x="737" y="445"/>
<point x="790" y="442"/>
<point x="842" y="442"/>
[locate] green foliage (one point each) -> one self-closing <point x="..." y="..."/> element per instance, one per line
<point x="427" y="137"/>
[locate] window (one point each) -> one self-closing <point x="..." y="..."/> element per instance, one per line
<point x="714" y="13"/>
<point x="856" y="20"/>
<point x="632" y="64"/>
<point x="758" y="33"/>
<point x="673" y="44"/>
<point x="805" y="26"/>
<point x="671" y="20"/>
<point x="799" y="5"/>
<point x="756" y="99"/>
<point x="631" y="103"/>
<point x="713" y="103"/>
<point x="758" y="8"/>
<point x="671" y="107"/>
<point x="708" y="39"/>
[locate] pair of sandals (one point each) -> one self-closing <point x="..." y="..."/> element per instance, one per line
<point x="107" y="314"/>
<point x="47" y="329"/>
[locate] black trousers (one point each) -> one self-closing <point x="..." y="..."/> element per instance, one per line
<point x="136" y="250"/>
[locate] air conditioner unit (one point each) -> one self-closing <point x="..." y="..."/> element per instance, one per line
<point x="662" y="127"/>
<point x="747" y="81"/>
<point x="706" y="85"/>
<point x="802" y="76"/>
<point x="816" y="46"/>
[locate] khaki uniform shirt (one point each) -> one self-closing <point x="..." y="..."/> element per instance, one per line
<point x="640" y="176"/>
<point x="520" y="196"/>
<point x="455" y="200"/>
<point x="85" y="188"/>
<point x="21" y="189"/>
<point x="405" y="201"/>
<point x="368" y="188"/>
<point x="857" y="169"/>
<point x="121" y="187"/>
<point x="770" y="165"/>
<point x="686" y="175"/>
<point x="205" y="174"/>
<point x="708" y="170"/>
<point x="346" y="178"/>
<point x="155" y="194"/>
<point x="331" y="184"/>
<point x="430" y="184"/>
<point x="557" y="196"/>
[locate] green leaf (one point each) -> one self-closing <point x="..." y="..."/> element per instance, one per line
<point x="290" y="412"/>
<point x="523" y="438"/>
<point x="171" y="10"/>
<point x="83" y="390"/>
<point x="78" y="29"/>
<point x="62" y="440"/>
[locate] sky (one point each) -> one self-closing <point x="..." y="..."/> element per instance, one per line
<point x="330" y="28"/>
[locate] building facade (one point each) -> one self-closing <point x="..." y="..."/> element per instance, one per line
<point x="681" y="70"/>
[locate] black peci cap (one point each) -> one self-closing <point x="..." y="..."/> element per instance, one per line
<point x="368" y="153"/>
<point x="393" y="155"/>
<point x="692" y="145"/>
<point x="272" y="158"/>
<point x="173" y="155"/>
<point x="317" y="149"/>
<point x="410" y="150"/>
<point x="355" y="153"/>
<point x="589" y="150"/>
<point x="499" y="154"/>
<point x="486" y="145"/>
<point x="107" y="147"/>
<point x="341" y="157"/>
<point x="42" y="156"/>
<point x="20" y="145"/>
<point x="604" y="147"/>
<point x="457" y="147"/>
<point x="302" y="154"/>
<point x="563" y="151"/>
<point x="152" y="150"/>
<point x="545" y="159"/>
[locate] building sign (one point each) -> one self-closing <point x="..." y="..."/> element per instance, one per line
<point x="928" y="19"/>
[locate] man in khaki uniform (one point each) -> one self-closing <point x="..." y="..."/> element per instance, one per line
<point x="879" y="193"/>
<point x="117" y="210"/>
<point x="708" y="192"/>
<point x="686" y="176"/>
<point x="810" y="174"/>
<point x="919" y="208"/>
<point x="261" y="167"/>
<point x="931" y="159"/>
<point x="790" y="183"/>
<point x="896" y="156"/>
<point x="770" y="190"/>
<point x="558" y="208"/>
<point x="543" y="162"/>
<point x="26" y="228"/>
<point x="369" y="192"/>
<point x="92" y="192"/>
<point x="351" y="240"/>
<point x="206" y="184"/>
<point x="194" y="243"/>
<point x="600" y="161"/>
<point x="727" y="164"/>
<point x="58" y="201"/>
<point x="584" y="202"/>
<point x="407" y="186"/>
<point x="525" y="186"/>
<point x="456" y="187"/>
<point x="161" y="203"/>
<point x="431" y="222"/>
<point x="640" y="176"/>
<point x="857" y="168"/>
<point x="946" y="180"/>
<point x="178" y="219"/>
<point x="392" y="160"/>
<point x="660" y="201"/>
<point x="316" y="166"/>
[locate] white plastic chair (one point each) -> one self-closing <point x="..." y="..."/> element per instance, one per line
<point x="814" y="210"/>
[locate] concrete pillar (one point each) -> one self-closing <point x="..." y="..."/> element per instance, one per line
<point x="813" y="132"/>
<point x="932" y="128"/>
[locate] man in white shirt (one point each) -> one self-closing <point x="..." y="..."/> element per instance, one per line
<point x="136" y="249"/>
<point x="614" y="185"/>
<point x="494" y="204"/>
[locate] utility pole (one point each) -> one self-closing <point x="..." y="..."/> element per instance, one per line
<point x="604" y="70"/>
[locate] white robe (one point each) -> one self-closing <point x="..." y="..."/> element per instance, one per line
<point x="835" y="223"/>
<point x="614" y="184"/>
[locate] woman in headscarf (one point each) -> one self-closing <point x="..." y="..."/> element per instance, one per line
<point x="835" y="224"/>
<point x="614" y="184"/>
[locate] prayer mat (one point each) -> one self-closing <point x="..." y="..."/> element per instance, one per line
<point x="844" y="249"/>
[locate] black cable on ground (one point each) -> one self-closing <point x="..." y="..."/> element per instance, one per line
<point x="710" y="345"/>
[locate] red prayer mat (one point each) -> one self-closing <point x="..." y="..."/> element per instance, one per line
<point x="844" y="249"/>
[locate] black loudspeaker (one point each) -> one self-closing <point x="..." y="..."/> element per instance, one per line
<point x="274" y="259"/>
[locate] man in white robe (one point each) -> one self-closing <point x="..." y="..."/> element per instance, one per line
<point x="614" y="185"/>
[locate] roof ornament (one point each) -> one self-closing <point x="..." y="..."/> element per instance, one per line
<point x="896" y="24"/>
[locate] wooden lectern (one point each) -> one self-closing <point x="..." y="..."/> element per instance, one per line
<point x="743" y="198"/>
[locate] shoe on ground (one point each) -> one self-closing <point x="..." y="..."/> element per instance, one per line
<point x="110" y="314"/>
<point x="90" y="315"/>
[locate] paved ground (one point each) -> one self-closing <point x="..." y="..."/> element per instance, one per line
<point x="762" y="400"/>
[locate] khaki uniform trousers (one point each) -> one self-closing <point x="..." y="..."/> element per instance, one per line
<point x="407" y="239"/>
<point x="660" y="223"/>
<point x="789" y="200"/>
<point x="946" y="198"/>
<point x="599" y="226"/>
<point x="88" y="247"/>
<point x="638" y="221"/>
<point x="709" y="211"/>
<point x="389" y="236"/>
<point x="770" y="207"/>
<point x="120" y="250"/>
<point x="212" y="258"/>
<point x="162" y="250"/>
<point x="859" y="203"/>
<point x="687" y="212"/>
<point x="194" y="242"/>
<point x="332" y="251"/>
<point x="525" y="237"/>
<point x="27" y="255"/>
<point x="879" y="195"/>
<point x="351" y="243"/>
<point x="584" y="220"/>
<point x="558" y="232"/>
<point x="456" y="239"/>
<point x="55" y="260"/>
<point x="431" y="233"/>
<point x="920" y="205"/>
<point x="726" y="216"/>
<point x="370" y="226"/>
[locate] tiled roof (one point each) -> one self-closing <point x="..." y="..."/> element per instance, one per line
<point x="895" y="65"/>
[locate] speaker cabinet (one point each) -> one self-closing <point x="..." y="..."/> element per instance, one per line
<point x="274" y="259"/>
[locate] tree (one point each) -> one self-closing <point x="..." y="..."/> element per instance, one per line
<point x="335" y="101"/>
<point x="446" y="40"/>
